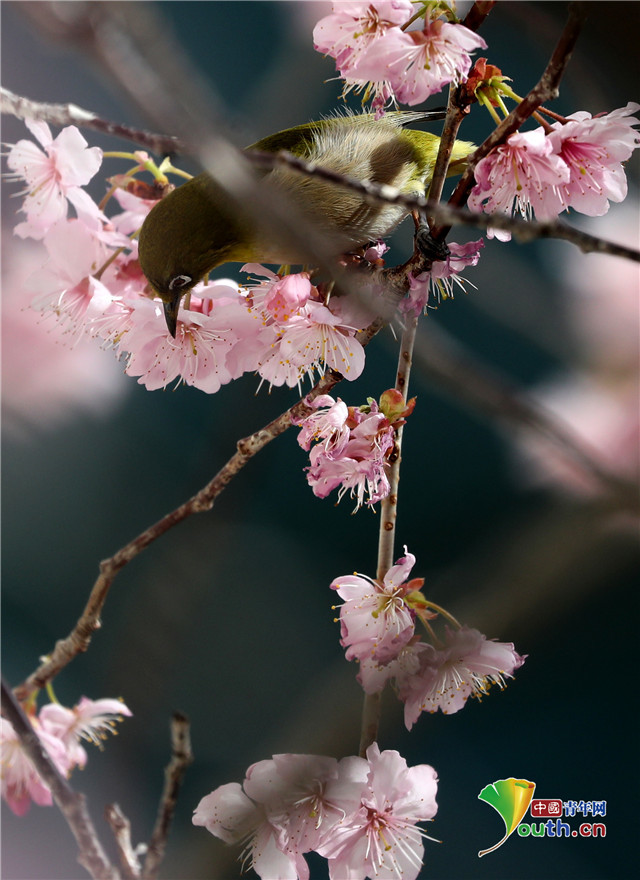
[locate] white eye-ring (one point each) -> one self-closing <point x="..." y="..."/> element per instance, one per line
<point x="179" y="281"/>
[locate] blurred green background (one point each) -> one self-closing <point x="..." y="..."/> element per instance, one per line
<point x="228" y="618"/>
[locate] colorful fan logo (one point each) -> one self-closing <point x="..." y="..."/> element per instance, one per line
<point x="511" y="798"/>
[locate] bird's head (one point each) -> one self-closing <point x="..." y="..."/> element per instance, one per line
<point x="186" y="235"/>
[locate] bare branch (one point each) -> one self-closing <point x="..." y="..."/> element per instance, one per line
<point x="79" y="638"/>
<point x="181" y="757"/>
<point x="477" y="14"/>
<point x="121" y="828"/>
<point x="71" y="804"/>
<point x="71" y="114"/>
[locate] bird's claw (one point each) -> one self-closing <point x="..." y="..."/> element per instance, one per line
<point x="429" y="247"/>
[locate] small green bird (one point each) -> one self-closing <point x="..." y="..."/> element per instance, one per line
<point x="194" y="228"/>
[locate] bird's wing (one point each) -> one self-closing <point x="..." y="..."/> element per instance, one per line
<point x="298" y="140"/>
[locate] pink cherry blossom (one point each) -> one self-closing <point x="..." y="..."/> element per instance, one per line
<point x="328" y="424"/>
<point x="466" y="666"/>
<point x="21" y="783"/>
<point x="287" y="806"/>
<point x="54" y="175"/>
<point x="67" y="284"/>
<point x="45" y="383"/>
<point x="420" y="63"/>
<point x="382" y="839"/>
<point x="135" y="210"/>
<point x="90" y="720"/>
<point x="594" y="149"/>
<point x="353" y="27"/>
<point x="352" y="450"/>
<point x="306" y="796"/>
<point x="523" y="175"/>
<point x="365" y="479"/>
<point x="375" y="620"/>
<point x="195" y="356"/>
<point x="374" y="675"/>
<point x="312" y="340"/>
<point x="233" y="817"/>
<point x="443" y="276"/>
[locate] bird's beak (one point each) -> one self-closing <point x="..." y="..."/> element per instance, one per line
<point x="171" y="308"/>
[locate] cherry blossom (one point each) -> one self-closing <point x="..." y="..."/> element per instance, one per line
<point x="233" y="817"/>
<point x="353" y="446"/>
<point x="53" y="176"/>
<point x="45" y="383"/>
<point x="195" y="356"/>
<point x="328" y="424"/>
<point x="442" y="277"/>
<point x="419" y="63"/>
<point x="352" y="28"/>
<point x="287" y="806"/>
<point x="89" y="720"/>
<point x="594" y="148"/>
<point x="375" y="620"/>
<point x="21" y="783"/>
<point x="521" y="174"/>
<point x="382" y="839"/>
<point x="466" y="666"/>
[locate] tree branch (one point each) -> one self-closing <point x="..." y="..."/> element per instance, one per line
<point x="181" y="757"/>
<point x="72" y="805"/>
<point x="79" y="638"/>
<point x="71" y="114"/>
<point x="121" y="828"/>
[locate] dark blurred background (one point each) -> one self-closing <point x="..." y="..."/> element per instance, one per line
<point x="228" y="618"/>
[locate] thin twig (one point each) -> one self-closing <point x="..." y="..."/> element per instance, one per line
<point x="121" y="827"/>
<point x="79" y="638"/>
<point x="181" y="757"/>
<point x="388" y="518"/>
<point x="72" y="805"/>
<point x="71" y="114"/>
<point x="477" y="14"/>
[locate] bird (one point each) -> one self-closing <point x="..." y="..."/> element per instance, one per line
<point x="194" y="228"/>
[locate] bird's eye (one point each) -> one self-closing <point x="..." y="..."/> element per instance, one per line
<point x="179" y="281"/>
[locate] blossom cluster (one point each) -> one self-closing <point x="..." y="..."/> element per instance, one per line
<point x="361" y="814"/>
<point x="92" y="285"/>
<point x="352" y="445"/>
<point x="376" y="55"/>
<point x="60" y="730"/>
<point x="574" y="164"/>
<point x="443" y="277"/>
<point x="377" y="625"/>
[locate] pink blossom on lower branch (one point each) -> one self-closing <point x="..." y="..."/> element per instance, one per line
<point x="361" y="814"/>
<point x="287" y="806"/>
<point x="382" y="839"/>
<point x="21" y="782"/>
<point x="466" y="666"/>
<point x="353" y="445"/>
<point x="60" y="730"/>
